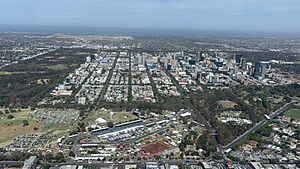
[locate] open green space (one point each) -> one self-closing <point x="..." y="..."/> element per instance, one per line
<point x="19" y="83"/>
<point x="83" y="53"/>
<point x="293" y="113"/>
<point x="57" y="67"/>
<point x="116" y="117"/>
<point x="11" y="128"/>
<point x="8" y="73"/>
<point x="227" y="104"/>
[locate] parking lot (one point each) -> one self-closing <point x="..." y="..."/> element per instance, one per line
<point x="55" y="116"/>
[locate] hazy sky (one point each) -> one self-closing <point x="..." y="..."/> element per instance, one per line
<point x="253" y="15"/>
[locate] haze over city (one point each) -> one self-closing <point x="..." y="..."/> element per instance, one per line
<point x="149" y="84"/>
<point x="224" y="15"/>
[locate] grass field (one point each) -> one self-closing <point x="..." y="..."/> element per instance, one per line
<point x="293" y="113"/>
<point x="57" y="67"/>
<point x="8" y="73"/>
<point x="121" y="117"/>
<point x="118" y="117"/>
<point x="10" y="128"/>
<point x="82" y="53"/>
<point x="278" y="99"/>
<point x="227" y="103"/>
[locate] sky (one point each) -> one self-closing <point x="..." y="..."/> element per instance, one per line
<point x="241" y="15"/>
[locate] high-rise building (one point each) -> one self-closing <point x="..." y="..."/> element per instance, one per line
<point x="139" y="59"/>
<point x="238" y="58"/>
<point x="243" y="63"/>
<point x="142" y="59"/>
<point x="135" y="60"/>
<point x="260" y="70"/>
<point x="198" y="54"/>
<point x="93" y="57"/>
<point x="192" y="61"/>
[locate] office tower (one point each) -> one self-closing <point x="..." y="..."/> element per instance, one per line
<point x="260" y="70"/>
<point x="136" y="60"/>
<point x="192" y="61"/>
<point x="243" y="64"/>
<point x="142" y="59"/>
<point x="93" y="57"/>
<point x="238" y="58"/>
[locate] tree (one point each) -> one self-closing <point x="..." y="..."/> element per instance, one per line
<point x="10" y="116"/>
<point x="48" y="157"/>
<point x="81" y="126"/>
<point x="60" y="157"/>
<point x="110" y="124"/>
<point x="207" y="143"/>
<point x="72" y="154"/>
<point x="25" y="123"/>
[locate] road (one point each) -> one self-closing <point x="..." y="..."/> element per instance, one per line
<point x="129" y="79"/>
<point x="11" y="163"/>
<point x="260" y="124"/>
<point x="29" y="57"/>
<point x="185" y="93"/>
<point x="142" y="162"/>
<point x="179" y="88"/>
<point x="77" y="89"/>
<point x="156" y="94"/>
<point x="101" y="97"/>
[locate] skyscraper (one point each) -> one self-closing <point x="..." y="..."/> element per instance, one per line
<point x="243" y="64"/>
<point x="142" y="59"/>
<point x="238" y="58"/>
<point x="260" y="70"/>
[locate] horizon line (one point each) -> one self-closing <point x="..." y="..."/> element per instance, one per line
<point x="154" y="31"/>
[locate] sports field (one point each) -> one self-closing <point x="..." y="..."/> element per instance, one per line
<point x="293" y="113"/>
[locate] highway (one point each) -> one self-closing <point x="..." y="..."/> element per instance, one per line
<point x="260" y="124"/>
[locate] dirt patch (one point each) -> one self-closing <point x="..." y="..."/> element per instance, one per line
<point x="10" y="132"/>
<point x="155" y="148"/>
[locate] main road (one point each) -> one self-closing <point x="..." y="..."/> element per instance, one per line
<point x="105" y="87"/>
<point x="111" y="164"/>
<point x="260" y="124"/>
